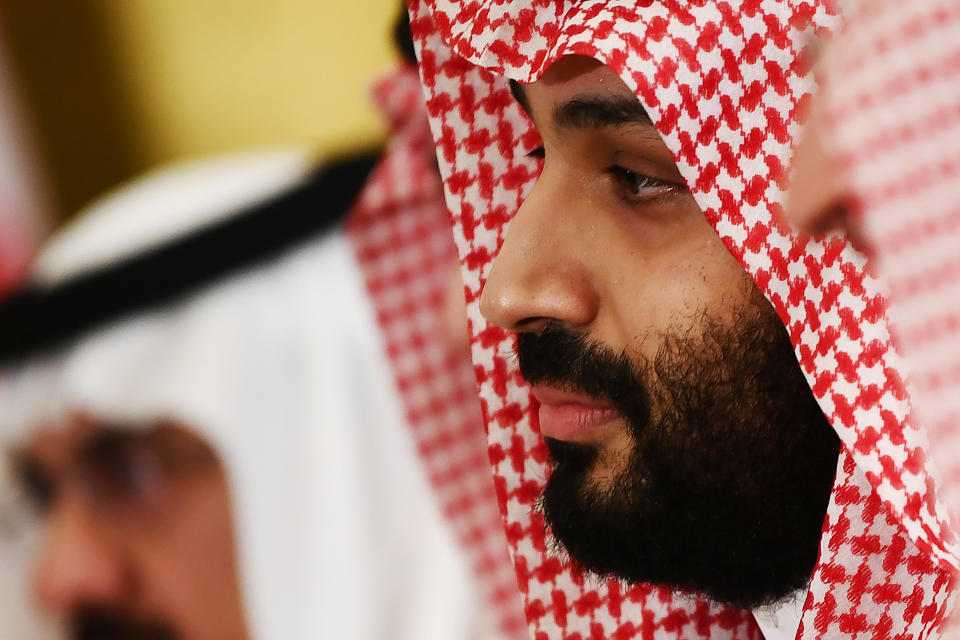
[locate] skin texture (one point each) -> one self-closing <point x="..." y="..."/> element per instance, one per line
<point x="147" y="553"/>
<point x="586" y="236"/>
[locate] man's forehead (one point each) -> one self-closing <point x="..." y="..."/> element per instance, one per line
<point x="577" y="74"/>
<point x="574" y="81"/>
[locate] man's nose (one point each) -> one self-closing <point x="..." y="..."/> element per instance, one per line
<point x="540" y="273"/>
<point x="816" y="183"/>
<point x="77" y="564"/>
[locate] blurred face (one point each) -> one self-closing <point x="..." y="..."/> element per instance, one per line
<point x="138" y="541"/>
<point x="819" y="199"/>
<point x="688" y="449"/>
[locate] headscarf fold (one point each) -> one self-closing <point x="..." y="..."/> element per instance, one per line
<point x="400" y="234"/>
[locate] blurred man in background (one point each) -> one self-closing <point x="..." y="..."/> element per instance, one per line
<point x="119" y="423"/>
<point x="257" y="407"/>
<point x="205" y="404"/>
<point x="139" y="537"/>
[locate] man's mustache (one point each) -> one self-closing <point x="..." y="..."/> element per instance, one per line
<point x="98" y="623"/>
<point x="562" y="358"/>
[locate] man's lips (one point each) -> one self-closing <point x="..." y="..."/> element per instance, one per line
<point x="571" y="416"/>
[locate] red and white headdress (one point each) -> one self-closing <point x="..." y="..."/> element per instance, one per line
<point x="723" y="83"/>
<point x="891" y="100"/>
<point x="400" y="233"/>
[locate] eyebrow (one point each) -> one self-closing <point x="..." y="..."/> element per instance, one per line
<point x="516" y="89"/>
<point x="590" y="112"/>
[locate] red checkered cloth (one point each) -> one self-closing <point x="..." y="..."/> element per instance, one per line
<point x="15" y="253"/>
<point x="24" y="209"/>
<point x="892" y="97"/>
<point x="723" y="82"/>
<point x="400" y="230"/>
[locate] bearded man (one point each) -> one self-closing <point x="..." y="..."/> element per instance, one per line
<point x="684" y="364"/>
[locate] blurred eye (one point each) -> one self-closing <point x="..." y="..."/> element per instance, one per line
<point x="37" y="485"/>
<point x="539" y="152"/>
<point x="637" y="187"/>
<point x="120" y="470"/>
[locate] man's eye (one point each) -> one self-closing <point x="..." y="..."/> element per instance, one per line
<point x="118" y="470"/>
<point x="636" y="186"/>
<point x="136" y="477"/>
<point x="40" y="488"/>
<point x="539" y="152"/>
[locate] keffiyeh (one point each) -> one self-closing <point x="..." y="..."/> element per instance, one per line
<point x="400" y="234"/>
<point x="891" y="106"/>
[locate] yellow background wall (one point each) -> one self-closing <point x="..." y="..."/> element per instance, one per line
<point x="117" y="86"/>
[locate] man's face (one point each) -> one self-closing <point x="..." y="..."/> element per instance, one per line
<point x="137" y="541"/>
<point x="687" y="447"/>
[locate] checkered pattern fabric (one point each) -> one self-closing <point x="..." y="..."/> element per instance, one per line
<point x="723" y="82"/>
<point x="23" y="206"/>
<point x="15" y="251"/>
<point x="892" y="90"/>
<point x="400" y="231"/>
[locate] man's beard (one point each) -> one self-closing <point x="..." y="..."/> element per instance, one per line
<point x="97" y="623"/>
<point x="726" y="483"/>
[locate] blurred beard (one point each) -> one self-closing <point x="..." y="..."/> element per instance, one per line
<point x="725" y="487"/>
<point x="96" y="623"/>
